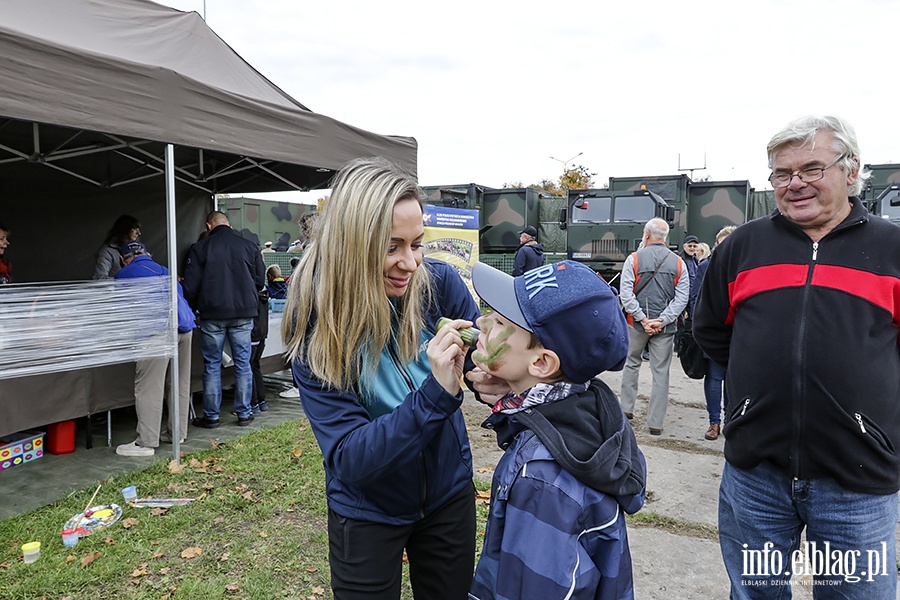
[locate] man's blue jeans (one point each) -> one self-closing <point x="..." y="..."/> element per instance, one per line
<point x="712" y="389"/>
<point x="850" y="550"/>
<point x="212" y="341"/>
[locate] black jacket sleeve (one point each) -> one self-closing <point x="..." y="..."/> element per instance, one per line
<point x="711" y="323"/>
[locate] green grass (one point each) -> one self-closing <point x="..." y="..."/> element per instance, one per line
<point x="259" y="518"/>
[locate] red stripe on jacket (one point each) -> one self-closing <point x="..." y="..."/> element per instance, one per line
<point x="881" y="290"/>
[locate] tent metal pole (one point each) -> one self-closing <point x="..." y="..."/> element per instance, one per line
<point x="174" y="390"/>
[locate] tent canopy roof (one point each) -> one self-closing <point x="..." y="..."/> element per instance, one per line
<point x="96" y="88"/>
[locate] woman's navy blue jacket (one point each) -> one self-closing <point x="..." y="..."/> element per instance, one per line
<point x="394" y="450"/>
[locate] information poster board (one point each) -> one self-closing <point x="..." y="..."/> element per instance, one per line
<point x="451" y="235"/>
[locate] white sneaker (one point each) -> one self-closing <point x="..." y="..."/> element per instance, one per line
<point x="290" y="393"/>
<point x="133" y="449"/>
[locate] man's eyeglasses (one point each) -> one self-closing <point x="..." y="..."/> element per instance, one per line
<point x="781" y="179"/>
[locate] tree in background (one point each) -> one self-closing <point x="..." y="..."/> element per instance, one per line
<point x="576" y="177"/>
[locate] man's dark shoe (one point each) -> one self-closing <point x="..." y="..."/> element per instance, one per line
<point x="245" y="421"/>
<point x="629" y="416"/>
<point x="655" y="431"/>
<point x="263" y="406"/>
<point x="205" y="423"/>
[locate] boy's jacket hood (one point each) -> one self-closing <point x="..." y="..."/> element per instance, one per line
<point x="587" y="434"/>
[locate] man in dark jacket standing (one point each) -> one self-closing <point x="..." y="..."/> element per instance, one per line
<point x="529" y="254"/>
<point x="801" y="307"/>
<point x="223" y="277"/>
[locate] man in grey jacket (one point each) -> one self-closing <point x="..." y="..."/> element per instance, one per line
<point x="654" y="291"/>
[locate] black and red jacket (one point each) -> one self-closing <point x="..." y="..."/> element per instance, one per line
<point x="808" y="333"/>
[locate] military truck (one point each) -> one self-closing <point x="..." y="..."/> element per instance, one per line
<point x="881" y="194"/>
<point x="262" y="221"/>
<point x="600" y="227"/>
<point x="698" y="208"/>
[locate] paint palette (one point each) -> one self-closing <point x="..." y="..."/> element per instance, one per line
<point x="94" y="519"/>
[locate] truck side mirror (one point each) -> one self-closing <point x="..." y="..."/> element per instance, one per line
<point x="670" y="215"/>
<point x="563" y="218"/>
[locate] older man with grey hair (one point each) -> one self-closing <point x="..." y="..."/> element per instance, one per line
<point x="802" y="308"/>
<point x="654" y="290"/>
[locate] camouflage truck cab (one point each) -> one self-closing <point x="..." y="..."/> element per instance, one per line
<point x="672" y="188"/>
<point x="604" y="226"/>
<point x="713" y="205"/>
<point x="262" y="221"/>
<point x="878" y="194"/>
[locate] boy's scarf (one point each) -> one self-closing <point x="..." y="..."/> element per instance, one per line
<point x="541" y="393"/>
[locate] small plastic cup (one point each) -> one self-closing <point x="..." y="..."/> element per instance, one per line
<point x="69" y="537"/>
<point x="130" y="493"/>
<point x="31" y="551"/>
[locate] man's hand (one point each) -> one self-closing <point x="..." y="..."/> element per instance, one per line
<point x="652" y="326"/>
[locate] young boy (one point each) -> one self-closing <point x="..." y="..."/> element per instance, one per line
<point x="572" y="467"/>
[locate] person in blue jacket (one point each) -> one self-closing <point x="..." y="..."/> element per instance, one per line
<point x="381" y="389"/>
<point x="150" y="373"/>
<point x="571" y="467"/>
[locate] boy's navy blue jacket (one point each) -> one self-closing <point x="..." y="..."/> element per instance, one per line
<point x="556" y="529"/>
<point x="394" y="450"/>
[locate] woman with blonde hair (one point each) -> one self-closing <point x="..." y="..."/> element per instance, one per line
<point x="381" y="388"/>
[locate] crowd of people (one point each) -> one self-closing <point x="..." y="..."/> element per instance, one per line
<point x="795" y="312"/>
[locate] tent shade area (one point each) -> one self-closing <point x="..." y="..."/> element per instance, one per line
<point x="114" y="107"/>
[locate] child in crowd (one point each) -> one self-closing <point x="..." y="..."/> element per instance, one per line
<point x="572" y="467"/>
<point x="276" y="284"/>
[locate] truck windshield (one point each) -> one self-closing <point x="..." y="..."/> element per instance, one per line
<point x="634" y="208"/>
<point x="890" y="205"/>
<point x="594" y="210"/>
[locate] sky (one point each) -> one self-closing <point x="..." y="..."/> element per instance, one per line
<point x="501" y="91"/>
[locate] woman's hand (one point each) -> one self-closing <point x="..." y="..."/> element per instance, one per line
<point x="447" y="354"/>
<point x="488" y="387"/>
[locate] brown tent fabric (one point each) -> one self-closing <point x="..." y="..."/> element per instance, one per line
<point x="140" y="70"/>
<point x="94" y="90"/>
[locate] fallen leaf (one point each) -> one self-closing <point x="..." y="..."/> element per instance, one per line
<point x="192" y="552"/>
<point x="277" y="487"/>
<point x="263" y="534"/>
<point x="164" y="570"/>
<point x="234" y="586"/>
<point x="70" y="558"/>
<point x="224" y="556"/>
<point x="218" y="520"/>
<point x="318" y="590"/>
<point x="216" y="444"/>
<point x="297" y="452"/>
<point x="485" y="470"/>
<point x="5" y="566"/>
<point x="130" y="522"/>
<point x="175" y="467"/>
<point x="108" y="540"/>
<point x="247" y="495"/>
<point x="201" y="470"/>
<point x="311" y="569"/>
<point x="208" y="486"/>
<point x="168" y="594"/>
<point x="90" y="558"/>
<point x="140" y="571"/>
<point x="159" y="510"/>
<point x="241" y="487"/>
<point x="158" y="554"/>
